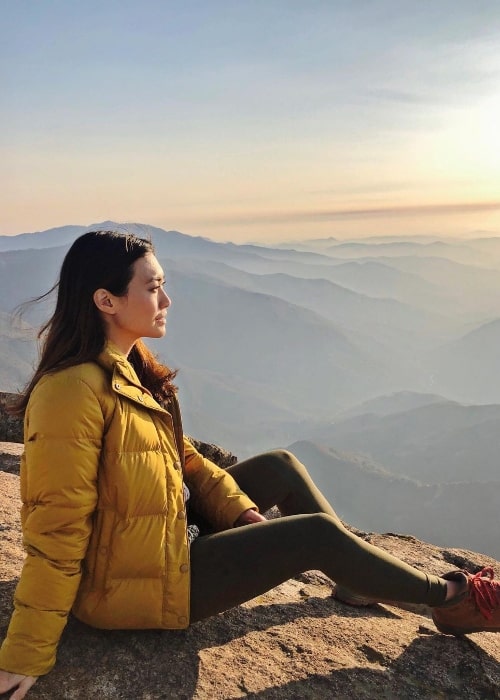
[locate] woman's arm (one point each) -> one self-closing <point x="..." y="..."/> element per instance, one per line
<point x="63" y="436"/>
<point x="214" y="492"/>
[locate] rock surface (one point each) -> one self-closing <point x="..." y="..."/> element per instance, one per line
<point x="293" y="642"/>
<point x="215" y="453"/>
<point x="10" y="454"/>
<point x="11" y="428"/>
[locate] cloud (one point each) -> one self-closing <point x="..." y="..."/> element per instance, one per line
<point x="361" y="213"/>
<point x="399" y="96"/>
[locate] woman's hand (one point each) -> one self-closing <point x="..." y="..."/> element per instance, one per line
<point x="15" y="680"/>
<point x="248" y="517"/>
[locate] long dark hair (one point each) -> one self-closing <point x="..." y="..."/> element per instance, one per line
<point x="75" y="332"/>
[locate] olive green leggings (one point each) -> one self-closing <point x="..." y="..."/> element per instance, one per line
<point x="230" y="567"/>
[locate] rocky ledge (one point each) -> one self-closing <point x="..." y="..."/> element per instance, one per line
<point x="11" y="428"/>
<point x="293" y="642"/>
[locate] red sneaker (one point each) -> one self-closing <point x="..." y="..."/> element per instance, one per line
<point x="476" y="610"/>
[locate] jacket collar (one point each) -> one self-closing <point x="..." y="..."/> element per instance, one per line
<point x="112" y="356"/>
<point x="124" y="378"/>
<point x="126" y="383"/>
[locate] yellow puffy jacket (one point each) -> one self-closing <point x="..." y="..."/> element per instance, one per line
<point x="103" y="516"/>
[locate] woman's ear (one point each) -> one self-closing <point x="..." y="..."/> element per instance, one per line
<point x="104" y="301"/>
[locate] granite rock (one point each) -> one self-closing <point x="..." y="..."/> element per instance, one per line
<point x="294" y="642"/>
<point x="11" y="427"/>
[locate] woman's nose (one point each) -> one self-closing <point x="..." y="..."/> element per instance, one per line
<point x="165" y="301"/>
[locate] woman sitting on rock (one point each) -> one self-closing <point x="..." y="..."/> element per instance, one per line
<point x="109" y="484"/>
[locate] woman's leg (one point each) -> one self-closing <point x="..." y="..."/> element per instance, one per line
<point x="277" y="478"/>
<point x="230" y="567"/>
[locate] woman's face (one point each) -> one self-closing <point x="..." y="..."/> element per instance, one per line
<point x="142" y="311"/>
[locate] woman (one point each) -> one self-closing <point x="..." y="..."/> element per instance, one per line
<point x="106" y="478"/>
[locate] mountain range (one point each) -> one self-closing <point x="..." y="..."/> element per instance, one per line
<point x="379" y="354"/>
<point x="366" y="494"/>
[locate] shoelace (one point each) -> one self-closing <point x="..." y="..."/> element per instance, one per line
<point x="485" y="592"/>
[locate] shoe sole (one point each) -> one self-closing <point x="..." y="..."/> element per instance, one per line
<point x="460" y="631"/>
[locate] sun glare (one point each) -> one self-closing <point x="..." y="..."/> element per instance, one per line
<point x="489" y="132"/>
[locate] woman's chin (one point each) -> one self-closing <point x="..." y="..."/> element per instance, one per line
<point x="160" y="330"/>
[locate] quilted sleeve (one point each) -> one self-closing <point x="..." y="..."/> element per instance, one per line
<point x="214" y="492"/>
<point x="63" y="435"/>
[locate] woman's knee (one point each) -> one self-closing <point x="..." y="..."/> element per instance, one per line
<point x="279" y="478"/>
<point x="286" y="460"/>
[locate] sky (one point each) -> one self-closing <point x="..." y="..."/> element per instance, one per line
<point x="252" y="120"/>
